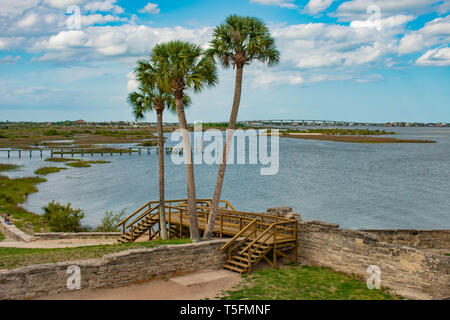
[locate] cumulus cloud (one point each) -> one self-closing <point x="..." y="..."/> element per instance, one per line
<point x="14" y="7"/>
<point x="63" y="4"/>
<point x="357" y="9"/>
<point x="280" y="3"/>
<point x="316" y="6"/>
<point x="435" y="32"/>
<point x="151" y="8"/>
<point x="104" y="6"/>
<point x="435" y="57"/>
<point x="126" y="41"/>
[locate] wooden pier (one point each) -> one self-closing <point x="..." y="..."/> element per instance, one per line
<point x="29" y="153"/>
<point x="253" y="236"/>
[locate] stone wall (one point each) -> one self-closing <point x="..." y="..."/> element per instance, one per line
<point x="423" y="239"/>
<point x="409" y="271"/>
<point x="111" y="270"/>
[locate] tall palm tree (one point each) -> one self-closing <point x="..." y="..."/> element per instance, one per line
<point x="236" y="43"/>
<point x="185" y="66"/>
<point x="151" y="97"/>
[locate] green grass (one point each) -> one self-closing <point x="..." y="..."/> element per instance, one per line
<point x="84" y="164"/>
<point x="2" y="237"/>
<point x="447" y="254"/>
<point x="11" y="258"/>
<point x="14" y="192"/>
<point x="47" y="170"/>
<point x="8" y="167"/>
<point x="61" y="160"/>
<point x="303" y="283"/>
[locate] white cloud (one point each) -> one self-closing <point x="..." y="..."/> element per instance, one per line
<point x="9" y="59"/>
<point x="132" y="84"/>
<point x="316" y="6"/>
<point x="15" y="7"/>
<point x="435" y="32"/>
<point x="357" y="9"/>
<point x="435" y="57"/>
<point x="104" y="6"/>
<point x="151" y="8"/>
<point x="63" y="4"/>
<point x="280" y="3"/>
<point x="125" y="41"/>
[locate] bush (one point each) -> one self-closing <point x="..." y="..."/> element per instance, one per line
<point x="109" y="221"/>
<point x="63" y="218"/>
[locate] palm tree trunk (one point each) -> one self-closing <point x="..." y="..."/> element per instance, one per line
<point x="162" y="202"/>
<point x="229" y="136"/>
<point x="192" y="201"/>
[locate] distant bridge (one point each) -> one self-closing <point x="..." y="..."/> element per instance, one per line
<point x="294" y="122"/>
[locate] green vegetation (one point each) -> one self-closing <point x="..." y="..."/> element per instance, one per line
<point x="63" y="218"/>
<point x="84" y="164"/>
<point x="61" y="160"/>
<point x="48" y="170"/>
<point x="2" y="237"/>
<point x="11" y="258"/>
<point x="78" y="164"/>
<point x="342" y="132"/>
<point x="148" y="144"/>
<point x="303" y="283"/>
<point x="110" y="220"/>
<point x="14" y="192"/>
<point x="8" y="167"/>
<point x="447" y="254"/>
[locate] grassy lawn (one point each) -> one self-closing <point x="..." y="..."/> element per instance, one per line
<point x="47" y="170"/>
<point x="2" y="237"/>
<point x="303" y="283"/>
<point x="12" y="258"/>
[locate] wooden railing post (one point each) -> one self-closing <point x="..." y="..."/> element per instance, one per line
<point x="221" y="225"/>
<point x="296" y="241"/>
<point x="181" y="222"/>
<point x="275" y="245"/>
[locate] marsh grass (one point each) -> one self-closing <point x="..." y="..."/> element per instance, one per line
<point x="8" y="167"/>
<point x="85" y="164"/>
<point x="14" y="192"/>
<point x="61" y="160"/>
<point x="47" y="170"/>
<point x="11" y="258"/>
<point x="303" y="283"/>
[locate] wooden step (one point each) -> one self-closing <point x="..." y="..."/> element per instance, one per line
<point x="237" y="263"/>
<point x="242" y="258"/>
<point x="232" y="268"/>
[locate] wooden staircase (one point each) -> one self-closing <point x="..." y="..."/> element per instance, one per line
<point x="253" y="236"/>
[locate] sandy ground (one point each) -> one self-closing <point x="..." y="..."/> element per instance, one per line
<point x="193" y="286"/>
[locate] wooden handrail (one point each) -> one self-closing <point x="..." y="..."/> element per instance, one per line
<point x="146" y="213"/>
<point x="238" y="235"/>
<point x="131" y="215"/>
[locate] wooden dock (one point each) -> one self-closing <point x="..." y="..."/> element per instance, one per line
<point x="52" y="152"/>
<point x="253" y="236"/>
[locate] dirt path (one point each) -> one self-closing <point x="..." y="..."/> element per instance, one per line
<point x="205" y="284"/>
<point x="52" y="244"/>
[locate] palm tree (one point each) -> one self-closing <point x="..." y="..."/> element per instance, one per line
<point x="150" y="97"/>
<point x="184" y="66"/>
<point x="238" y="42"/>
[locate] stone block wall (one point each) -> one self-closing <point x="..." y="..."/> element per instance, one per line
<point x="411" y="272"/>
<point x="111" y="270"/>
<point x="423" y="239"/>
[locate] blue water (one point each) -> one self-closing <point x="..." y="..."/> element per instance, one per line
<point x="354" y="185"/>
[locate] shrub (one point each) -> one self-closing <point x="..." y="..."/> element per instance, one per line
<point x="63" y="218"/>
<point x="109" y="221"/>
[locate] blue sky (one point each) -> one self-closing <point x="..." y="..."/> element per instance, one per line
<point x="354" y="60"/>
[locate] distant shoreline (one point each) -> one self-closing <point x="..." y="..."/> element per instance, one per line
<point x="355" y="139"/>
